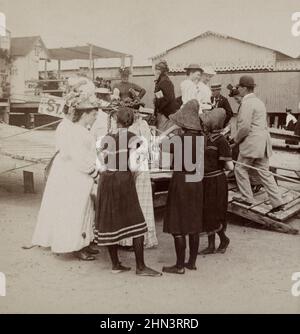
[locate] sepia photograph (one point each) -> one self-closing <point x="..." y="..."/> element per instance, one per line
<point x="149" y="159"/>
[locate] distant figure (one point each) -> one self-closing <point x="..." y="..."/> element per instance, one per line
<point x="52" y="85"/>
<point x="125" y="89"/>
<point x="204" y="89"/>
<point x="291" y="120"/>
<point x="99" y="81"/>
<point x="220" y="101"/>
<point x="164" y="100"/>
<point x="189" y="87"/>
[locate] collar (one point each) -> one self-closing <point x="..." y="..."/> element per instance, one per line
<point x="248" y="96"/>
<point x="214" y="135"/>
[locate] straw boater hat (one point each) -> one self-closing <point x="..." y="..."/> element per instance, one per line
<point x="193" y="67"/>
<point x="209" y="70"/>
<point x="188" y="116"/>
<point x="216" y="86"/>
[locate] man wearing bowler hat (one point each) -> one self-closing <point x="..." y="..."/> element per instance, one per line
<point x="255" y="146"/>
<point x="220" y="101"/>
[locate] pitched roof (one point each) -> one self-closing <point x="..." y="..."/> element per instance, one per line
<point x="212" y="33"/>
<point x="21" y="46"/>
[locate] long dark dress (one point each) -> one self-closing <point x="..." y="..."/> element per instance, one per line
<point x="118" y="215"/>
<point x="185" y="199"/>
<point x="217" y="151"/>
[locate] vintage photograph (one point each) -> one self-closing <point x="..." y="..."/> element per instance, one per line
<point x="149" y="158"/>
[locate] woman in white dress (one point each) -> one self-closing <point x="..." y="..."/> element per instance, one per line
<point x="143" y="183"/>
<point x="66" y="217"/>
<point x="189" y="87"/>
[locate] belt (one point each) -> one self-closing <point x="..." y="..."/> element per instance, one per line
<point x="214" y="173"/>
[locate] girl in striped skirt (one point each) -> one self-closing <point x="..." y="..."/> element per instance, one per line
<point x="119" y="215"/>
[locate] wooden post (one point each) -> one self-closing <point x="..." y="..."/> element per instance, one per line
<point x="91" y="60"/>
<point x="59" y="68"/>
<point x="28" y="182"/>
<point x="131" y="65"/>
<point x="45" y="69"/>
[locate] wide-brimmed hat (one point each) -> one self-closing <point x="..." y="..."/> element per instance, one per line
<point x="209" y="70"/>
<point x="86" y="105"/>
<point x="162" y="66"/>
<point x="193" y="67"/>
<point x="124" y="71"/>
<point x="246" y="81"/>
<point x="214" y="119"/>
<point x="187" y="116"/>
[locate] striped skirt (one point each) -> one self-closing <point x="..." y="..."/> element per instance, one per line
<point x="119" y="215"/>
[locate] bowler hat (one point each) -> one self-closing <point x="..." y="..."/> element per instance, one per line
<point x="246" y="81"/>
<point x="187" y="116"/>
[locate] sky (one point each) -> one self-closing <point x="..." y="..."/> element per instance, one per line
<point x="145" y="28"/>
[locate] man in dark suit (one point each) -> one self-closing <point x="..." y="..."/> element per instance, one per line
<point x="220" y="101"/>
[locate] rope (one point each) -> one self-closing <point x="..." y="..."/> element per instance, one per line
<point x="20" y="167"/>
<point x="32" y="130"/>
<point x="267" y="171"/>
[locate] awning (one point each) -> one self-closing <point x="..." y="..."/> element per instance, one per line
<point x="83" y="52"/>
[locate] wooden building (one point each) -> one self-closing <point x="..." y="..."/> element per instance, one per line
<point x="277" y="74"/>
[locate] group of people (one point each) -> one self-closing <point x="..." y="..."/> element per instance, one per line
<point x="121" y="213"/>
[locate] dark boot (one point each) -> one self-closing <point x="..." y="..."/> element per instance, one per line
<point x="194" y="245"/>
<point x="141" y="269"/>
<point x="224" y="242"/>
<point x="116" y="264"/>
<point x="211" y="249"/>
<point x="180" y="245"/>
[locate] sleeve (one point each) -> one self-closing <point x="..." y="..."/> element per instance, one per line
<point x="166" y="88"/>
<point x="228" y="110"/>
<point x="224" y="150"/>
<point x="244" y="122"/>
<point x="186" y="92"/>
<point x="84" y="154"/>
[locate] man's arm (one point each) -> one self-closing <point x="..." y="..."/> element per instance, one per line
<point x="139" y="89"/>
<point x="227" y="107"/>
<point x="244" y="122"/>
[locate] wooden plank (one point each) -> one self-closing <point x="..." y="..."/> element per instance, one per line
<point x="290" y="210"/>
<point x="260" y="219"/>
<point x="266" y="206"/>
